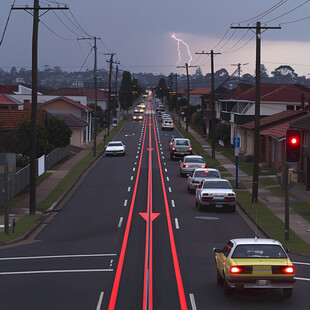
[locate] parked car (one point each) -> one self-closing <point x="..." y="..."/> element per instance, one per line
<point x="180" y="147"/>
<point x="115" y="148"/>
<point x="216" y="193"/>
<point x="190" y="163"/>
<point x="167" y="125"/>
<point x="254" y="263"/>
<point x="199" y="174"/>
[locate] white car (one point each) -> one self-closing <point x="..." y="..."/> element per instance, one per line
<point x="198" y="175"/>
<point x="190" y="163"/>
<point x="216" y="192"/>
<point x="167" y="125"/>
<point x="115" y="148"/>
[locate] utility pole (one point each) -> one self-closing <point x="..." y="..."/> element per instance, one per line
<point x="212" y="98"/>
<point x="239" y="69"/>
<point x="95" y="87"/>
<point x="187" y="75"/>
<point x="176" y="92"/>
<point x="115" y="98"/>
<point x="34" y="11"/>
<point x="110" y="78"/>
<point x="258" y="29"/>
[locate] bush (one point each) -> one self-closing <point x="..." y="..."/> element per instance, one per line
<point x="222" y="132"/>
<point x="22" y="160"/>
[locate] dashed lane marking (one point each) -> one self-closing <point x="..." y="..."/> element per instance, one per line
<point x="120" y="222"/>
<point x="100" y="301"/>
<point x="125" y="203"/>
<point x="176" y="223"/>
<point x="193" y="303"/>
<point x="172" y="203"/>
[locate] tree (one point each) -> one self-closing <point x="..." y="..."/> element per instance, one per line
<point x="284" y="74"/>
<point x="100" y="114"/>
<point x="125" y="91"/>
<point x="161" y="89"/>
<point x="263" y="73"/>
<point x="198" y="72"/>
<point x="58" y="132"/>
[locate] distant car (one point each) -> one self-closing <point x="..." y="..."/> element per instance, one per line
<point x="190" y="163"/>
<point x="254" y="263"/>
<point x="180" y="147"/>
<point x="199" y="174"/>
<point x="167" y="125"/>
<point x="216" y="193"/>
<point x="166" y="117"/>
<point x="138" y="114"/>
<point x="115" y="148"/>
<point x="114" y="122"/>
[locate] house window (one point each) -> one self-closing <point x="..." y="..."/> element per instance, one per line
<point x="289" y="107"/>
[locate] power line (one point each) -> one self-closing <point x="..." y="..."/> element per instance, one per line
<point x="56" y="34"/>
<point x="7" y="22"/>
<point x="297" y="7"/>
<point x="295" y="21"/>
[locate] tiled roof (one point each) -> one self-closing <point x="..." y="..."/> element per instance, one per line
<point x="87" y="92"/>
<point x="200" y="91"/>
<point x="10" y="118"/>
<point x="236" y="92"/>
<point x="277" y="93"/>
<point x="5" y="100"/>
<point x="278" y="131"/>
<point x="72" y="121"/>
<point x="7" y="89"/>
<point x="67" y="100"/>
<point x="268" y="121"/>
<point x="301" y="123"/>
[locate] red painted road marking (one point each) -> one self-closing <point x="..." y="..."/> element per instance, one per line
<point x="182" y="298"/>
<point x="125" y="240"/>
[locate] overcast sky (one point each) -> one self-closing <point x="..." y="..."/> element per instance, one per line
<point x="140" y="33"/>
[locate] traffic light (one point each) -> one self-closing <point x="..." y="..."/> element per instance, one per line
<point x="293" y="145"/>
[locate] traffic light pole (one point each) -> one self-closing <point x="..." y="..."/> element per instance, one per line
<point x="286" y="204"/>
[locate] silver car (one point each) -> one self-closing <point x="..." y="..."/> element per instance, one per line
<point x="167" y="125"/>
<point x="180" y="147"/>
<point x="190" y="163"/>
<point x="216" y="192"/>
<point x="115" y="148"/>
<point x="198" y="175"/>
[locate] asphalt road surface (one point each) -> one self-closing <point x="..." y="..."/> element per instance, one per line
<point x="129" y="238"/>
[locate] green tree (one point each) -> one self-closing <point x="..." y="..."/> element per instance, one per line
<point x="125" y="91"/>
<point x="161" y="89"/>
<point x="58" y="132"/>
<point x="222" y="132"/>
<point x="100" y="114"/>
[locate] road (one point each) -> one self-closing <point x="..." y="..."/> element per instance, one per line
<point x="130" y="237"/>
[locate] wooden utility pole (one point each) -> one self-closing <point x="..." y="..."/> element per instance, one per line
<point x="34" y="97"/>
<point x="212" y="98"/>
<point x="258" y="29"/>
<point x="110" y="82"/>
<point x="115" y="98"/>
<point x="95" y="88"/>
<point x="188" y="97"/>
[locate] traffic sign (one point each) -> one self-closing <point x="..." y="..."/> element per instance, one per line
<point x="236" y="142"/>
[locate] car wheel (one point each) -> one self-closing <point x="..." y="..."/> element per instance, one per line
<point x="196" y="203"/>
<point x="171" y="156"/>
<point x="199" y="205"/>
<point x="287" y="292"/>
<point x="181" y="174"/>
<point x="233" y="208"/>
<point x="124" y="154"/>
<point x="219" y="279"/>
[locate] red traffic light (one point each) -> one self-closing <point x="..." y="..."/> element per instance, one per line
<point x="293" y="145"/>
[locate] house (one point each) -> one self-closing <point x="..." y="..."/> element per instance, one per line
<point x="196" y="95"/>
<point x="89" y="93"/>
<point x="61" y="106"/>
<point x="272" y="132"/>
<point x="303" y="168"/>
<point x="238" y="107"/>
<point x="17" y="89"/>
<point x="7" y="103"/>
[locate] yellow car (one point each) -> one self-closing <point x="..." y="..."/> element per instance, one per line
<point x="254" y="263"/>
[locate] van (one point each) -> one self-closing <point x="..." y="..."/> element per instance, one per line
<point x="114" y="122"/>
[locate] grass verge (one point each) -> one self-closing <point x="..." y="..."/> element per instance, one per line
<point x="270" y="223"/>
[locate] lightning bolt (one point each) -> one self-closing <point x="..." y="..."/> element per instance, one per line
<point x="179" y="51"/>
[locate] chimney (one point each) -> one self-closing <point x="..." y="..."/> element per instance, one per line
<point x="27" y="105"/>
<point x="302" y="101"/>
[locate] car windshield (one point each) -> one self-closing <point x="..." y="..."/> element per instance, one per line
<point x="138" y="112"/>
<point x="182" y="142"/>
<point x="115" y="144"/>
<point x="207" y="174"/>
<point x="217" y="184"/>
<point x="258" y="250"/>
<point x="194" y="160"/>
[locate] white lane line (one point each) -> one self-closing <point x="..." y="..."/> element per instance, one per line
<point x="133" y="169"/>
<point x="176" y="223"/>
<point x="54" y="256"/>
<point x="129" y="188"/>
<point x="164" y="163"/>
<point x="111" y="263"/>
<point x="135" y="163"/>
<point x="137" y="156"/>
<point x="302" y="279"/>
<point x="193" y="303"/>
<point x="162" y="153"/>
<point x="125" y="203"/>
<point x="53" y="271"/>
<point x="301" y="263"/>
<point x="120" y="222"/>
<point x="172" y="203"/>
<point x="166" y="170"/>
<point x="131" y="178"/>
<point x="169" y="188"/>
<point x="100" y="301"/>
<point x="168" y="179"/>
<point x="163" y="157"/>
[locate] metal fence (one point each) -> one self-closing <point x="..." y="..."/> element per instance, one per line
<point x="21" y="179"/>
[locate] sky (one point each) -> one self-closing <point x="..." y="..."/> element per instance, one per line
<point x="140" y="33"/>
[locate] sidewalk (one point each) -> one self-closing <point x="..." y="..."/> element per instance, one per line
<point x="47" y="186"/>
<point x="276" y="204"/>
